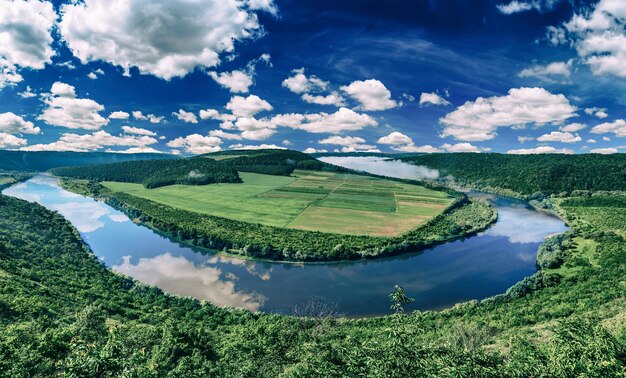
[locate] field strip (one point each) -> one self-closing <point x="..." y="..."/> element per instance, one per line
<point x="314" y="202"/>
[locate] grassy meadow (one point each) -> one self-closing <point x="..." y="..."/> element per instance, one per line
<point x="309" y="200"/>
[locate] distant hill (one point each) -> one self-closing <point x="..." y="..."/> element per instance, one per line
<point x="156" y="173"/>
<point x="45" y="160"/>
<point x="529" y="174"/>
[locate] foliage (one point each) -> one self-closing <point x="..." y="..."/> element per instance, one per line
<point x="63" y="314"/>
<point x="41" y="161"/>
<point x="399" y="299"/>
<point x="156" y="173"/>
<point x="529" y="174"/>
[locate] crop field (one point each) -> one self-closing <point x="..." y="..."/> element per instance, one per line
<point x="310" y="200"/>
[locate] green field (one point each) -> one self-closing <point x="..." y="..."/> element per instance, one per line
<point x="310" y="200"/>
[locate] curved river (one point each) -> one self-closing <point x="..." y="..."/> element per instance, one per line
<point x="475" y="268"/>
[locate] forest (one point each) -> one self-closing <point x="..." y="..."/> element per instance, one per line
<point x="63" y="313"/>
<point x="156" y="173"/>
<point x="529" y="174"/>
<point x="42" y="161"/>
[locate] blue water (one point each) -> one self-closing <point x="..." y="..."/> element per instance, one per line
<point x="475" y="268"/>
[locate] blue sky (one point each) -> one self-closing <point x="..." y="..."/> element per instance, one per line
<point x="195" y="76"/>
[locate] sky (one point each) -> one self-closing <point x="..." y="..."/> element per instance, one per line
<point x="197" y="76"/>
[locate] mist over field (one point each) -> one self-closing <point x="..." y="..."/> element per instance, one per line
<point x="383" y="167"/>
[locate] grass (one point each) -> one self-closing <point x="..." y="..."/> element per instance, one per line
<point x="314" y="201"/>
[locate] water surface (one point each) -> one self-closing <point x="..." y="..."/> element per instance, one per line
<point x="475" y="268"/>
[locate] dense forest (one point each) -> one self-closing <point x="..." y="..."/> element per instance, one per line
<point x="157" y="173"/>
<point x="45" y="160"/>
<point x="530" y="174"/>
<point x="62" y="313"/>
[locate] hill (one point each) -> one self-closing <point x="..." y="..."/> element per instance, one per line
<point x="529" y="174"/>
<point x="156" y="173"/>
<point x="42" y="161"/>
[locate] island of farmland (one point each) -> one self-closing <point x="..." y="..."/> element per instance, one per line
<point x="285" y="205"/>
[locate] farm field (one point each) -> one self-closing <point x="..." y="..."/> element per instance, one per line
<point x="309" y="200"/>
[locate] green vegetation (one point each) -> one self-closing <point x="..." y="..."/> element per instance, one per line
<point x="156" y="173"/>
<point x="63" y="314"/>
<point x="45" y="160"/>
<point x="312" y="200"/>
<point x="462" y="218"/>
<point x="528" y="174"/>
<point x="10" y="178"/>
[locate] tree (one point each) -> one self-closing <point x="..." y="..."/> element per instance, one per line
<point x="399" y="299"/>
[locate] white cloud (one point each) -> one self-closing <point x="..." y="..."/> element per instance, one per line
<point x="396" y="139"/>
<point x="214" y="114"/>
<point x="184" y="116"/>
<point x="597" y="112"/>
<point x="299" y="83"/>
<point x="165" y="38"/>
<point x="351" y="144"/>
<point x="592" y="141"/>
<point x="372" y="94"/>
<point x="617" y="127"/>
<point x="546" y="73"/>
<point x="540" y="150"/>
<point x="606" y="139"/>
<point x="604" y="151"/>
<point x="515" y="7"/>
<point x="137" y="150"/>
<point x="573" y="127"/>
<point x="92" y="142"/>
<point x="119" y="115"/>
<point x="264" y="5"/>
<point x="600" y="39"/>
<point x="11" y="141"/>
<point x="65" y="110"/>
<point x="312" y="150"/>
<point x="334" y="98"/>
<point x="558" y="136"/>
<point x="138" y="131"/>
<point x="240" y="146"/>
<point x="523" y="139"/>
<point x="247" y="106"/>
<point x="13" y="124"/>
<point x="286" y="142"/>
<point x="432" y="98"/>
<point x="428" y="149"/>
<point x="224" y="135"/>
<point x="94" y="75"/>
<point x="260" y="134"/>
<point x="27" y="93"/>
<point x="478" y="120"/>
<point x="25" y="38"/>
<point x="463" y="147"/>
<point x="342" y="120"/>
<point x="236" y="81"/>
<point x="197" y="144"/>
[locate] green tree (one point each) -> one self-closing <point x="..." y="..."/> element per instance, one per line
<point x="399" y="299"/>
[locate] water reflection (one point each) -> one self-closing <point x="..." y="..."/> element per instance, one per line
<point x="475" y="268"/>
<point x="383" y="167"/>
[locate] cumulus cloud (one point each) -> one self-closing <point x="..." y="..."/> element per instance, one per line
<point x="25" y="39"/>
<point x="549" y="72"/>
<point x="299" y="83"/>
<point x="349" y="144"/>
<point x="371" y="94"/>
<point x="600" y="37"/>
<point x="334" y="98"/>
<point x="138" y="115"/>
<point x="558" y="136"/>
<point x="312" y="150"/>
<point x="197" y="144"/>
<point x="432" y="98"/>
<point x="573" y="127"/>
<point x="92" y="142"/>
<point x="463" y="147"/>
<point x="240" y="146"/>
<point x="515" y="7"/>
<point x="247" y="106"/>
<point x="27" y="93"/>
<point x="395" y="139"/>
<point x="214" y="114"/>
<point x="11" y="123"/>
<point x="403" y="143"/>
<point x="604" y="151"/>
<point x="540" y="150"/>
<point x="94" y="74"/>
<point x="185" y="116"/>
<point x="11" y="141"/>
<point x="137" y="150"/>
<point x="239" y="81"/>
<point x="224" y="135"/>
<point x="65" y="110"/>
<point x="119" y="115"/>
<point x="617" y="127"/>
<point x="342" y="120"/>
<point x="478" y="120"/>
<point x="137" y="131"/>
<point x="165" y="38"/>
<point x="597" y="112"/>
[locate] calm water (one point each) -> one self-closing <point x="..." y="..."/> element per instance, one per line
<point x="475" y="268"/>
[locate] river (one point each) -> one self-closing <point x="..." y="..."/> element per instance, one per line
<point x="474" y="268"/>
